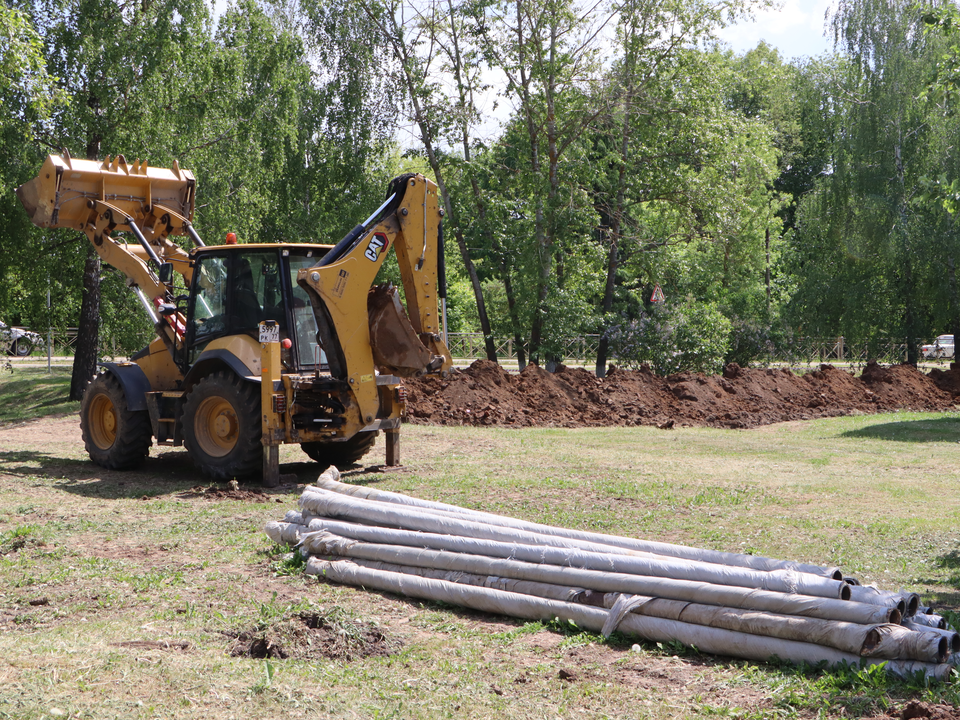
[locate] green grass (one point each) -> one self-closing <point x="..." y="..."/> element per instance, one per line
<point x="92" y="560"/>
<point x="28" y="392"/>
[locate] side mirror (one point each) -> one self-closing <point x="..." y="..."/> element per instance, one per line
<point x="166" y="273"/>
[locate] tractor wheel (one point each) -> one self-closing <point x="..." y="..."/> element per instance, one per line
<point x="342" y="454"/>
<point x="222" y="427"/>
<point x="115" y="437"/>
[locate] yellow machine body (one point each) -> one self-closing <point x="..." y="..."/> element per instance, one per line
<point x="200" y="393"/>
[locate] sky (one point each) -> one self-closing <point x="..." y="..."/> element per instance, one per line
<point x="796" y="30"/>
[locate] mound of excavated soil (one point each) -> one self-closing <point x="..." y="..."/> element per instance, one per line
<point x="485" y="394"/>
<point x="918" y="709"/>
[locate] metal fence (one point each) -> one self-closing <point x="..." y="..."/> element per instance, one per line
<point x="64" y="343"/>
<point x="803" y="352"/>
<point x="795" y="353"/>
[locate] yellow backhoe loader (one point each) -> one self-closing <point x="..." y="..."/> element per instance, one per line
<point x="263" y="344"/>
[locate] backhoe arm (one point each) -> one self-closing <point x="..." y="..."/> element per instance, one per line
<point x="364" y="328"/>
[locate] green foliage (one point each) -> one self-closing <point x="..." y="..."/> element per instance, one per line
<point x="685" y="337"/>
<point x="27" y="92"/>
<point x="291" y="562"/>
<point x="461" y="307"/>
<point x="18" y="538"/>
<point x="874" y="247"/>
<point x="810" y="198"/>
<point x="264" y="683"/>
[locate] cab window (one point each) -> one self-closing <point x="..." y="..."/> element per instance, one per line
<point x="234" y="292"/>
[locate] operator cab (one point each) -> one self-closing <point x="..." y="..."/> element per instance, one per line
<point x="236" y="287"/>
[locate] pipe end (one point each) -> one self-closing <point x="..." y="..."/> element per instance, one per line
<point x="912" y="602"/>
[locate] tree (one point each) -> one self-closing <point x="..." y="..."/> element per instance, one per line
<point x="942" y="187"/>
<point x="872" y="240"/>
<point x="548" y="50"/>
<point x="107" y="57"/>
<point x="28" y="96"/>
<point x="653" y="39"/>
<point x="417" y="45"/>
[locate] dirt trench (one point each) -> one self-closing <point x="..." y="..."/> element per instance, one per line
<point x="486" y="394"/>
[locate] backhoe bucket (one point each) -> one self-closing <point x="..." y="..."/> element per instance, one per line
<point x="396" y="347"/>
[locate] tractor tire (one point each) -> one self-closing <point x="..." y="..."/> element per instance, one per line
<point x="341" y="454"/>
<point x="222" y="427"/>
<point x="115" y="437"/>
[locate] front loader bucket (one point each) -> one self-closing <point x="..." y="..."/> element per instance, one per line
<point x="396" y="347"/>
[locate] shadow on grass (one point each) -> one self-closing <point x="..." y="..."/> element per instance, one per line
<point x="166" y="474"/>
<point x="941" y="429"/>
<point x="24" y="463"/>
<point x="946" y="599"/>
<point x="32" y="395"/>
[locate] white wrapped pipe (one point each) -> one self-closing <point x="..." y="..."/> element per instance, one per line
<point x="912" y="601"/>
<point x="879" y="641"/>
<point x="937" y="621"/>
<point x="953" y="639"/>
<point x="284" y="532"/>
<point x="333" y="505"/>
<point x="563" y="593"/>
<point x="897" y="641"/>
<point x="512" y="562"/>
<point x="889" y="641"/>
<point x="705" y="639"/>
<point x="874" y="596"/>
<point x="329" y="480"/>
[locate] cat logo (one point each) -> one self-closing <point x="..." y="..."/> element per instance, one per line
<point x="378" y="245"/>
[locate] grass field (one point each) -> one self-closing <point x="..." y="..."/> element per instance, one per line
<point x="123" y="595"/>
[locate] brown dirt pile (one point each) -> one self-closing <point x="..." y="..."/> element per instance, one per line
<point x="918" y="709"/>
<point x="485" y="394"/>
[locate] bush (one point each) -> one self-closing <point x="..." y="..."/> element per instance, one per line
<point x="749" y="341"/>
<point x="691" y="337"/>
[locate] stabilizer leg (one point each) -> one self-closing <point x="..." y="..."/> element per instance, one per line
<point x="393" y="447"/>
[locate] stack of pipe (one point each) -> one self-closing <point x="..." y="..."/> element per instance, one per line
<point x="722" y="603"/>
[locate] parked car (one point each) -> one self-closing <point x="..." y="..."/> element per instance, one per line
<point x="942" y="347"/>
<point x="18" y="341"/>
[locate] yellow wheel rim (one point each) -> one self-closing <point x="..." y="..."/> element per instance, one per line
<point x="103" y="422"/>
<point x="216" y="427"/>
